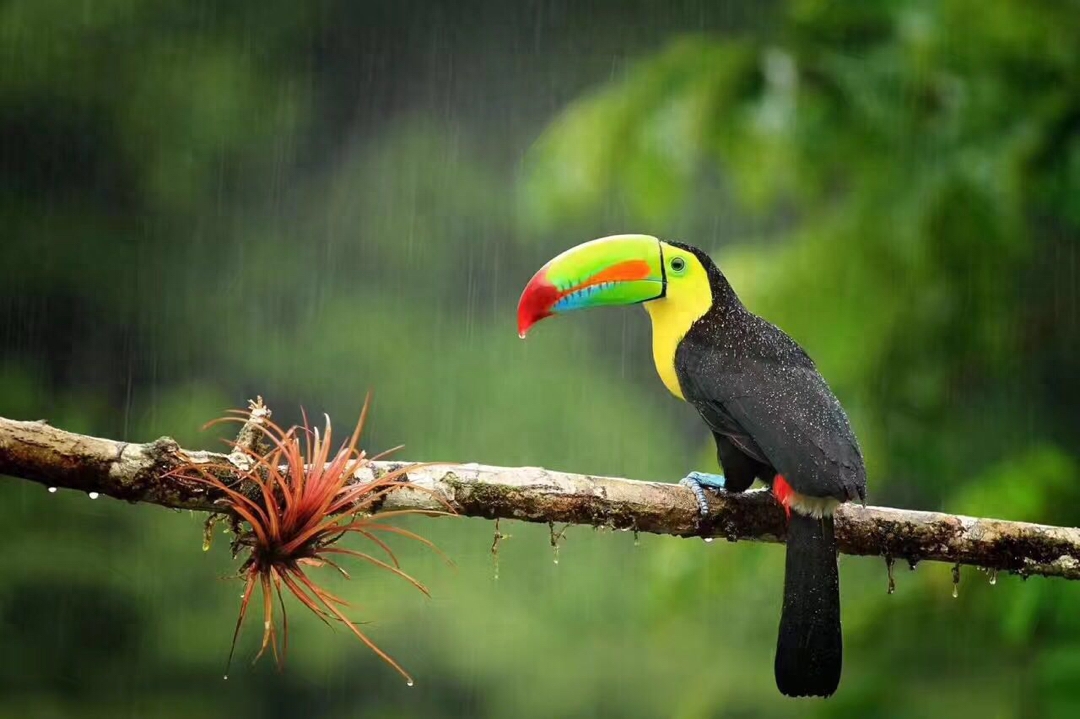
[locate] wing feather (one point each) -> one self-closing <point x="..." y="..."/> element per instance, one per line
<point x="768" y="398"/>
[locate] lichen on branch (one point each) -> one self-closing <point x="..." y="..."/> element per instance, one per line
<point x="45" y="454"/>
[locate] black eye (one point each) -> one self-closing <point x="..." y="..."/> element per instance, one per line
<point x="678" y="264"/>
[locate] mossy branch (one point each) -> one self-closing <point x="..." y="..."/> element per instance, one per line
<point x="41" y="453"/>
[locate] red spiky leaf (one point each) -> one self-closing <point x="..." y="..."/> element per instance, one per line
<point x="306" y="500"/>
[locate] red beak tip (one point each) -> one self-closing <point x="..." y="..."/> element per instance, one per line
<point x="525" y="323"/>
<point x="535" y="303"/>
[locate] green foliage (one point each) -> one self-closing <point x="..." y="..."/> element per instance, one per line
<point x="910" y="167"/>
<point x="185" y="226"/>
<point x="903" y="158"/>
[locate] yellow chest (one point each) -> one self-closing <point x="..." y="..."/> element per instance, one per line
<point x="670" y="323"/>
<point x="687" y="298"/>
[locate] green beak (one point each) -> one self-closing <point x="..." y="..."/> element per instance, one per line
<point x="616" y="270"/>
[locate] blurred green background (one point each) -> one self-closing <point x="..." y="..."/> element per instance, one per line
<point x="205" y="201"/>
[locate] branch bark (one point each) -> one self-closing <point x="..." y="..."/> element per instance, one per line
<point x="40" y="453"/>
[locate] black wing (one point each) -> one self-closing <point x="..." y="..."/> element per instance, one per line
<point x="767" y="397"/>
<point x="740" y="466"/>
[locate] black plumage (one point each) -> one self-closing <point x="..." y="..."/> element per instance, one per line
<point x="756" y="387"/>
<point x="809" y="645"/>
<point x="771" y="412"/>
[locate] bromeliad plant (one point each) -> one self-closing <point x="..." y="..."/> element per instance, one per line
<point x="292" y="503"/>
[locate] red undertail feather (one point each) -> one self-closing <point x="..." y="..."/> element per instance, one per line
<point x="783" y="493"/>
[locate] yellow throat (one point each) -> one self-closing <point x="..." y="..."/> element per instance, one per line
<point x="686" y="300"/>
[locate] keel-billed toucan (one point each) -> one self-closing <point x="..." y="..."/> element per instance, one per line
<point x="773" y="416"/>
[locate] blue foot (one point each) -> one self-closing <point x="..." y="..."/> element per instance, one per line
<point x="697" y="481"/>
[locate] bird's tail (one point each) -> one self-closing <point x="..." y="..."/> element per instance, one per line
<point x="809" y="649"/>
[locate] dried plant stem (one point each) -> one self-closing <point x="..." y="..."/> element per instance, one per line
<point x="38" y="452"/>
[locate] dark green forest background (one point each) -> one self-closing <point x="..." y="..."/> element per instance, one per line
<point x="205" y="201"/>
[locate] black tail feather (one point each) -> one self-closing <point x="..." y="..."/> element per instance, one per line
<point x="809" y="650"/>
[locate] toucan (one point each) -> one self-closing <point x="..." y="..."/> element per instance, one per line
<point x="771" y="413"/>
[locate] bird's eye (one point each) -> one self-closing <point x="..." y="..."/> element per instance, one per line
<point x="678" y="264"/>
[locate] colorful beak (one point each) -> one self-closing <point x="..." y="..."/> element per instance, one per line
<point x="616" y="270"/>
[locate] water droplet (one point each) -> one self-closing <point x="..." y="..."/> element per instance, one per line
<point x="226" y="677"/>
<point x="408" y="682"/>
<point x="93" y="495"/>
<point x="993" y="577"/>
<point x="708" y="540"/>
<point x="955" y="591"/>
<point x="52" y="490"/>
<point x="889" y="567"/>
<point x="499" y="536"/>
<point x="956" y="580"/>
<point x="556" y="538"/>
<point x="521" y="335"/>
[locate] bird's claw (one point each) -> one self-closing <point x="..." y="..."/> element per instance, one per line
<point x="697" y="481"/>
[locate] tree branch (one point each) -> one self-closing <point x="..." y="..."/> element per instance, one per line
<point x="134" y="472"/>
